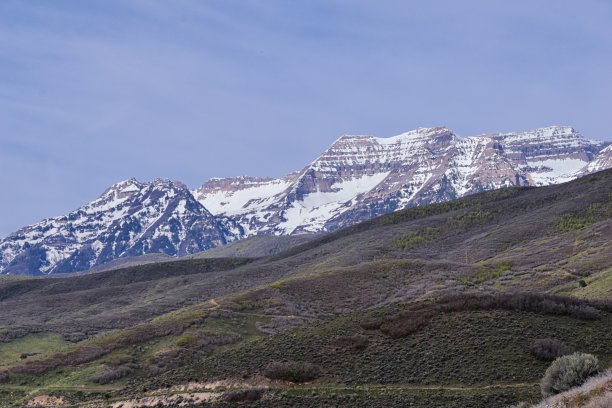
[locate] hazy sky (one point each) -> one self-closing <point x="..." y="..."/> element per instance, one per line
<point x="92" y="92"/>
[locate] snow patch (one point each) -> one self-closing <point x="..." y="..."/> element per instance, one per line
<point x="317" y="208"/>
<point x="553" y="171"/>
<point x="246" y="199"/>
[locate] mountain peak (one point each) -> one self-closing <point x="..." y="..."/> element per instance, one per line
<point x="419" y="133"/>
<point x="358" y="177"/>
<point x="166" y="183"/>
<point x="130" y="218"/>
<point x="544" y="133"/>
<point x="125" y="186"/>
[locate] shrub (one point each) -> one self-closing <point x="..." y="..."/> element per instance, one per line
<point x="415" y="239"/>
<point x="75" y="357"/>
<point x="549" y="349"/>
<point x="165" y="360"/>
<point x="186" y="341"/>
<point x="409" y="241"/>
<point x="207" y="340"/>
<point x="525" y="302"/>
<point x="371" y="323"/>
<point x="3" y="377"/>
<point x="116" y="361"/>
<point x="470" y="219"/>
<point x="485" y="275"/>
<point x="405" y="324"/>
<point x="567" y="372"/>
<point x="252" y="395"/>
<point x="111" y="375"/>
<point x="577" y="220"/>
<point x="571" y="222"/>
<point x="296" y="372"/>
<point x="356" y="342"/>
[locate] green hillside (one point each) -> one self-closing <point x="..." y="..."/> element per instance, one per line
<point x="429" y="306"/>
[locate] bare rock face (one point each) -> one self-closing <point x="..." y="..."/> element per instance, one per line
<point x="356" y="178"/>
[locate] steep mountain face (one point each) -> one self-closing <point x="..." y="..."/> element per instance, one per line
<point x="357" y="178"/>
<point x="602" y="161"/>
<point x="230" y="197"/>
<point x="360" y="177"/>
<point x="550" y="155"/>
<point x="128" y="219"/>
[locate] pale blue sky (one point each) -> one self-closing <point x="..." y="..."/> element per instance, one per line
<point x="92" y="92"/>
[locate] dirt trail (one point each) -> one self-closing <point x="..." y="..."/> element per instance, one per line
<point x="421" y="387"/>
<point x="198" y="393"/>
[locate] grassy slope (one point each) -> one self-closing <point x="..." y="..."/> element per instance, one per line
<point x="257" y="246"/>
<point x="509" y="240"/>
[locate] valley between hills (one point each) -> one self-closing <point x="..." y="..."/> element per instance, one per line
<point x="436" y="305"/>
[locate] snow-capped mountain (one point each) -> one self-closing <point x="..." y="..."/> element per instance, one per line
<point x="602" y="161"/>
<point x="128" y="219"/>
<point x="360" y="177"/>
<point x="356" y="178"/>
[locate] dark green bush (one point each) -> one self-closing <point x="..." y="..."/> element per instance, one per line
<point x="526" y="302"/>
<point x="577" y="220"/>
<point x="75" y="357"/>
<point x="489" y="273"/>
<point x="410" y="321"/>
<point x="567" y="372"/>
<point x="111" y="375"/>
<point x="185" y="341"/>
<point x="417" y="238"/>
<point x="297" y="372"/>
<point x="371" y="323"/>
<point x="251" y="395"/>
<point x="356" y="342"/>
<point x="549" y="349"/>
<point x="117" y="361"/>
<point x="424" y="211"/>
<point x="405" y="324"/>
<point x="470" y="219"/>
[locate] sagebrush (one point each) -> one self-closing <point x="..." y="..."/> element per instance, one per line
<point x="567" y="372"/>
<point x="297" y="372"/>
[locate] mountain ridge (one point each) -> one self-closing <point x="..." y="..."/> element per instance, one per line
<point x="422" y="166"/>
<point x="358" y="177"/>
<point x="451" y="286"/>
<point x="129" y="218"/>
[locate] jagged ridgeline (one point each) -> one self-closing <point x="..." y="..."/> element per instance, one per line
<point x="357" y="178"/>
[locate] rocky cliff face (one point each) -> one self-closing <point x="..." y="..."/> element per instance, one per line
<point x="602" y="161"/>
<point x="360" y="177"/>
<point x="357" y="178"/>
<point x="128" y="219"/>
